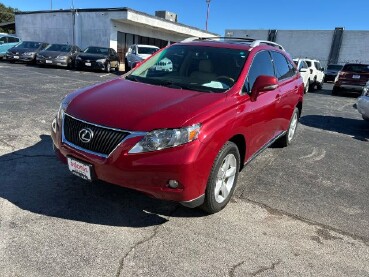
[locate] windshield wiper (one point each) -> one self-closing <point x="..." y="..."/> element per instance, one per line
<point x="132" y="78"/>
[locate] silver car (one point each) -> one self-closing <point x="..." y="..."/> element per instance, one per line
<point x="363" y="103"/>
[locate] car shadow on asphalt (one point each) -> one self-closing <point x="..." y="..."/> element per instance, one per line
<point x="356" y="128"/>
<point x="349" y="94"/>
<point x="34" y="180"/>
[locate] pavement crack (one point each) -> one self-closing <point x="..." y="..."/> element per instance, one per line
<point x="321" y="234"/>
<point x="265" y="268"/>
<point x="233" y="268"/>
<point x="155" y="232"/>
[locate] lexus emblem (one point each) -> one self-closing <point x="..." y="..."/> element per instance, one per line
<point x="86" y="135"/>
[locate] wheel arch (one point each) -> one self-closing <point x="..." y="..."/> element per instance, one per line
<point x="299" y="107"/>
<point x="240" y="142"/>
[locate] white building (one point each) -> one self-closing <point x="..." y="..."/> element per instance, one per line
<point x="337" y="46"/>
<point x="117" y="28"/>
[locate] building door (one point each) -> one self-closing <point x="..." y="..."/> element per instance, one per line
<point x="124" y="42"/>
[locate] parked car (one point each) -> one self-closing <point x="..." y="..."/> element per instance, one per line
<point x="316" y="74"/>
<point x="137" y="53"/>
<point x="352" y="77"/>
<point x="100" y="58"/>
<point x="7" y="42"/>
<point x="363" y="103"/>
<point x="26" y="51"/>
<point x="58" y="55"/>
<point x="331" y="72"/>
<point x="303" y="68"/>
<point x="183" y="135"/>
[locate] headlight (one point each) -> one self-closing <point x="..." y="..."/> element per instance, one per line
<point x="101" y="60"/>
<point x="79" y="58"/>
<point x="62" y="57"/>
<point x="38" y="56"/>
<point x="166" y="138"/>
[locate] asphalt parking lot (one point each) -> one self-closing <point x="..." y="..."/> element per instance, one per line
<point x="297" y="211"/>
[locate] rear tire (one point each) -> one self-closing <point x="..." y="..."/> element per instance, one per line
<point x="126" y="66"/>
<point x="286" y="139"/>
<point x="223" y="178"/>
<point x="335" y="91"/>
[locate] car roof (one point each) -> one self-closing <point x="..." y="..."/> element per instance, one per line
<point x="231" y="42"/>
<point x="7" y="35"/>
<point x="147" y="45"/>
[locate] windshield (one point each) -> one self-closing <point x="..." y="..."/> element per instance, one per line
<point x="334" y="67"/>
<point x="359" y="68"/>
<point x="29" y="44"/>
<point x="147" y="50"/>
<point x="59" y="47"/>
<point x="96" y="50"/>
<point x="201" y="68"/>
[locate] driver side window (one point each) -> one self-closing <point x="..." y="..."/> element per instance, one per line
<point x="261" y="65"/>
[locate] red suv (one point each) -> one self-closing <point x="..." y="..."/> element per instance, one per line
<point x="352" y="77"/>
<point x="183" y="133"/>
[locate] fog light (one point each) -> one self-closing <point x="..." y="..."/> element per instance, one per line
<point x="173" y="184"/>
<point x="53" y="125"/>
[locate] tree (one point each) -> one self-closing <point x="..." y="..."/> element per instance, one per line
<point x="7" y="15"/>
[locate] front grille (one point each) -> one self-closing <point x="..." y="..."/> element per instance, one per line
<point x="104" y="139"/>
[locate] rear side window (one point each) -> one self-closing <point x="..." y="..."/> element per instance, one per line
<point x="12" y="39"/>
<point x="283" y="68"/>
<point x="261" y="65"/>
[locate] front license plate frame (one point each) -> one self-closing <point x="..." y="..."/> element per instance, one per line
<point x="81" y="169"/>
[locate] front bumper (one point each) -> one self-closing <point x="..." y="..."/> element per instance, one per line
<point x="52" y="62"/>
<point x="80" y="64"/>
<point x="148" y="172"/>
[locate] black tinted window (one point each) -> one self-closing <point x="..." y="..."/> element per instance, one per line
<point x="359" y="68"/>
<point x="283" y="68"/>
<point x="12" y="39"/>
<point x="261" y="65"/>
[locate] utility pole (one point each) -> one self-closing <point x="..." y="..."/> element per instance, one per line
<point x="207" y="13"/>
<point x="51" y="4"/>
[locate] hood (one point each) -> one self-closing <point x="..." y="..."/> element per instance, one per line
<point x="53" y="54"/>
<point x="92" y="57"/>
<point x="133" y="106"/>
<point x="22" y="50"/>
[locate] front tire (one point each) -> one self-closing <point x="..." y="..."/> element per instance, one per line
<point x="306" y="89"/>
<point x="108" y="67"/>
<point x="223" y="178"/>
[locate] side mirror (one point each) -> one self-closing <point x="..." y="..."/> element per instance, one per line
<point x="303" y="70"/>
<point x="261" y="84"/>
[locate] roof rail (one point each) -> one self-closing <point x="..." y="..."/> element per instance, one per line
<point x="267" y="42"/>
<point x="218" y="38"/>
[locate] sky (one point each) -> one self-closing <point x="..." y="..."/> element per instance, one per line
<point x="233" y="14"/>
